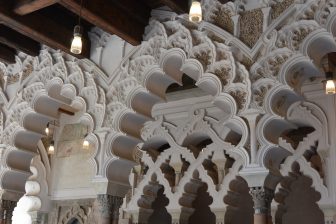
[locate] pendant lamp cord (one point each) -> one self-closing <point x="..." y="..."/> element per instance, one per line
<point x="80" y="13"/>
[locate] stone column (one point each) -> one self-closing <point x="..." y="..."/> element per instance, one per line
<point x="329" y="216"/>
<point x="185" y="215"/>
<point x="177" y="164"/>
<point x="144" y="215"/>
<point x="107" y="209"/>
<point x="220" y="216"/>
<point x="252" y="118"/>
<point x="39" y="217"/>
<point x="6" y="211"/>
<point x="176" y="215"/>
<point x="262" y="198"/>
<point x="329" y="221"/>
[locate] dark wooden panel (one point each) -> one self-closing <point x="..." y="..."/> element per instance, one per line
<point x="109" y="17"/>
<point x="225" y="1"/>
<point x="178" y="6"/>
<point x="134" y="8"/>
<point x="24" y="7"/>
<point x="18" y="41"/>
<point x="7" y="54"/>
<point x="39" y="28"/>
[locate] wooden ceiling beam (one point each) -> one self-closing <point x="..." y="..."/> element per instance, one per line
<point x="7" y="54"/>
<point x="134" y="8"/>
<point x="225" y="1"/>
<point x="178" y="6"/>
<point x="18" y="41"/>
<point x="110" y="17"/>
<point x="40" y="28"/>
<point x="24" y="7"/>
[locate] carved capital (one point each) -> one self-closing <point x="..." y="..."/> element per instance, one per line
<point x="109" y="205"/>
<point x="262" y="198"/>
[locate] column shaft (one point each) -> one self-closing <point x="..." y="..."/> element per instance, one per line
<point x="6" y="211"/>
<point x="107" y="209"/>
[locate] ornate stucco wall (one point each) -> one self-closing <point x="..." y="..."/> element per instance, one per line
<point x="260" y="126"/>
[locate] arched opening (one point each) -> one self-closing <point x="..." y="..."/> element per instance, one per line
<point x="152" y="204"/>
<point x="202" y="213"/>
<point x="160" y="213"/>
<point x="155" y="146"/>
<point x="196" y="202"/>
<point x="298" y="200"/>
<point x="188" y="87"/>
<point x="73" y="221"/>
<point x="187" y="83"/>
<point x="196" y="142"/>
<point x="240" y="203"/>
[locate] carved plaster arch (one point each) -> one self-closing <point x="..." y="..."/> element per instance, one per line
<point x="285" y="155"/>
<point x="158" y="72"/>
<point x="53" y="81"/>
<point x="25" y="138"/>
<point x="174" y="63"/>
<point x="277" y="94"/>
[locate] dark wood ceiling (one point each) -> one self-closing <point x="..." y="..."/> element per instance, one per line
<point x="25" y="24"/>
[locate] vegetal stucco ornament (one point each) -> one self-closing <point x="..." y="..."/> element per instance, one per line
<point x="278" y="7"/>
<point x="251" y="29"/>
<point x="221" y="16"/>
<point x="292" y="36"/>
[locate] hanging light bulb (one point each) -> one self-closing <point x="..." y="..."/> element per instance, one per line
<point x="51" y="148"/>
<point x="76" y="45"/>
<point x="86" y="144"/>
<point x="330" y="87"/>
<point x="330" y="84"/>
<point x="328" y="65"/>
<point x="47" y="131"/>
<point x="195" y="13"/>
